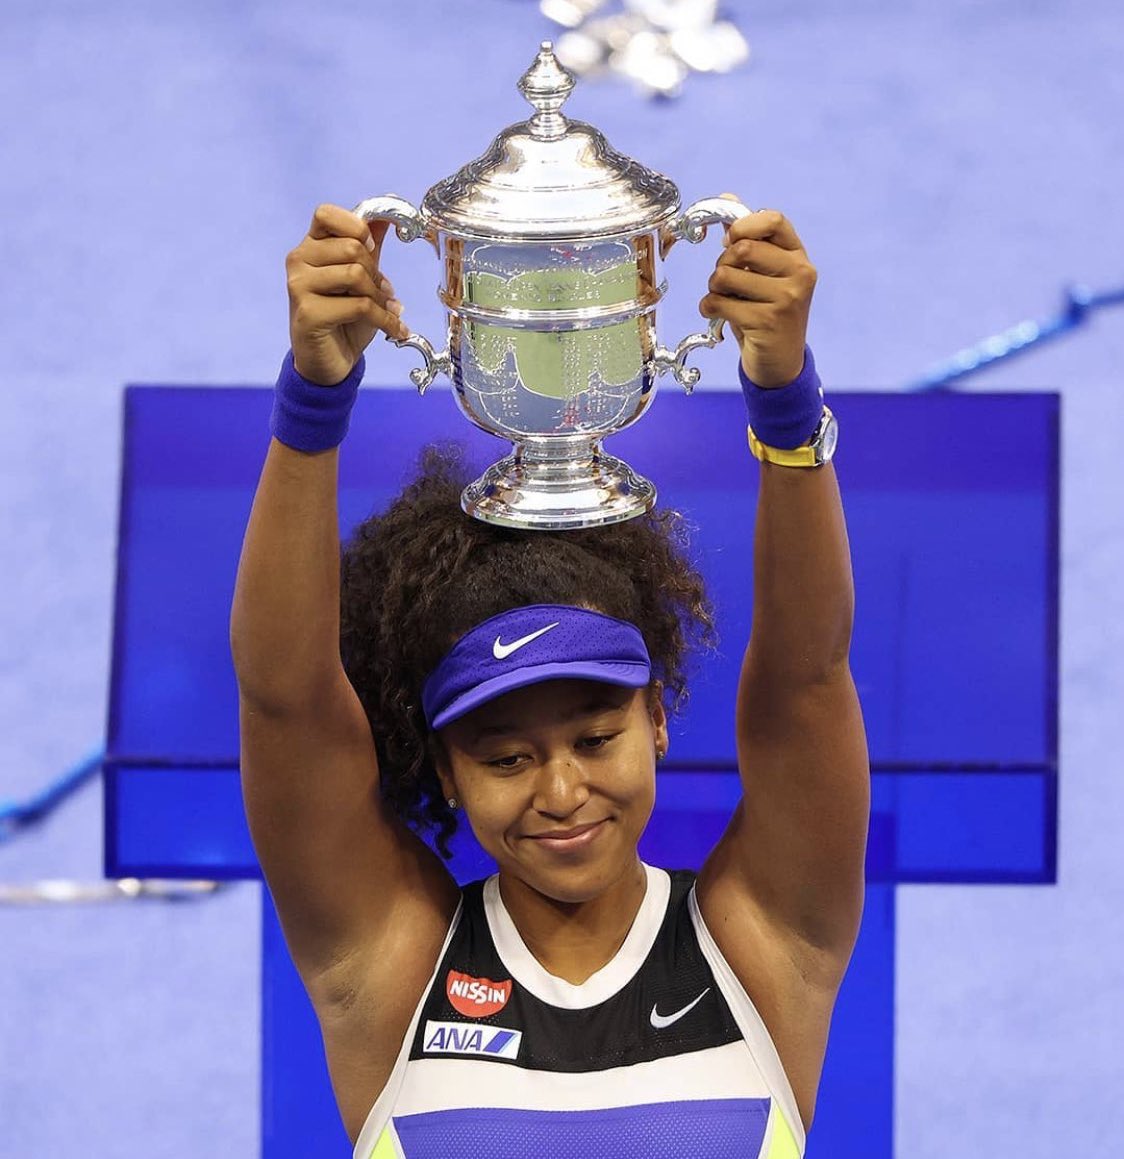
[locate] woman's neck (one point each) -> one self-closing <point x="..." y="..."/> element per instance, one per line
<point x="573" y="940"/>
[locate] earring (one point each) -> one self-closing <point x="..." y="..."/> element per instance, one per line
<point x="452" y="802"/>
<point x="660" y="754"/>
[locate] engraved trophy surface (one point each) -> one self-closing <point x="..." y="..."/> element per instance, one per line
<point x="552" y="245"/>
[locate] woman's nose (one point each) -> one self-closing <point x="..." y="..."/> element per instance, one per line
<point x="561" y="788"/>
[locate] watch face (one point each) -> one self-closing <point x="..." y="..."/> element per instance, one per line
<point x="828" y="439"/>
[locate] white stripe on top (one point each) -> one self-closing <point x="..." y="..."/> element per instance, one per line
<point x="612" y="977"/>
<point x="750" y="1023"/>
<point x="720" y="1072"/>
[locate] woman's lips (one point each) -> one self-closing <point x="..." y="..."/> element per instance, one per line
<point x="562" y="840"/>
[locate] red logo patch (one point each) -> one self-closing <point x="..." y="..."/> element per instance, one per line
<point x="476" y="997"/>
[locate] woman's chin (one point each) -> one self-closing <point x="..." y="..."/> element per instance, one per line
<point x="569" y="880"/>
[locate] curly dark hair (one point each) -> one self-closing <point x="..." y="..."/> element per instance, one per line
<point x="419" y="575"/>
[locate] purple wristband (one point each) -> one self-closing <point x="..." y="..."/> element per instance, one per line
<point x="309" y="417"/>
<point x="785" y="416"/>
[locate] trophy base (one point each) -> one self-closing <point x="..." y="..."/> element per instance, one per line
<point x="550" y="493"/>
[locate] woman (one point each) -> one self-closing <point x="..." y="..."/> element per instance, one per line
<point x="580" y="1001"/>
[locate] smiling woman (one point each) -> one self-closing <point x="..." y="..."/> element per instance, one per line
<point x="578" y="1001"/>
<point x="558" y="779"/>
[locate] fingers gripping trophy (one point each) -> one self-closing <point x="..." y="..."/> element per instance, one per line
<point x="552" y="246"/>
<point x="441" y="669"/>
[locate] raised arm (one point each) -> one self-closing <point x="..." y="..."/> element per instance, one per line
<point x="801" y="743"/>
<point x="782" y="891"/>
<point x="340" y="867"/>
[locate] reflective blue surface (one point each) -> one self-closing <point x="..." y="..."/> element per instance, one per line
<point x="954" y="540"/>
<point x="939" y="826"/>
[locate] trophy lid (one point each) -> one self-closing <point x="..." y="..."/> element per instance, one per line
<point x="550" y="178"/>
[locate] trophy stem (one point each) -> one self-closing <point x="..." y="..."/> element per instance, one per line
<point x="558" y="484"/>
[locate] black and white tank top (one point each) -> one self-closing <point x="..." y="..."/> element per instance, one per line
<point x="661" y="1053"/>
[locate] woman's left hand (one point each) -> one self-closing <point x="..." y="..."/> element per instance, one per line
<point x="762" y="286"/>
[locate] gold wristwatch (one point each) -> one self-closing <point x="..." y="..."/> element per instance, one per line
<point x="814" y="453"/>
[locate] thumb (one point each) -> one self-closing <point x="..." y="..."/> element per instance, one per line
<point x="377" y="229"/>
<point x="726" y="232"/>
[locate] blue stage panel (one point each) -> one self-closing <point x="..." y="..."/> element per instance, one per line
<point x="955" y="553"/>
<point x="855" y="1105"/>
<point x="173" y="822"/>
<point x="952" y="826"/>
<point x="954" y="538"/>
<point x="982" y="826"/>
<point x="954" y="543"/>
<point x="299" y="1115"/>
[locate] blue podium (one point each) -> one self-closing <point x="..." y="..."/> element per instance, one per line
<point x="952" y="507"/>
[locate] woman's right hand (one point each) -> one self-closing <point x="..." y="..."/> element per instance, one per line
<point x="338" y="299"/>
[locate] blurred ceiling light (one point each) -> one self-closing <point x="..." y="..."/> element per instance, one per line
<point x="672" y="14"/>
<point x="719" y="48"/>
<point x="570" y="13"/>
<point x="655" y="44"/>
<point x="647" y="60"/>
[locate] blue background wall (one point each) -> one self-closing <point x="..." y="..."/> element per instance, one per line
<point x="949" y="167"/>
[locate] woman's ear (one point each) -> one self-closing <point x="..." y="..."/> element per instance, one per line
<point x="658" y="714"/>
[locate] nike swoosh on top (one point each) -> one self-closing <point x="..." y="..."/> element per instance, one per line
<point x="501" y="651"/>
<point x="660" y="1021"/>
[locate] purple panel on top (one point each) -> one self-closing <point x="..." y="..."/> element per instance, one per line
<point x="716" y="1128"/>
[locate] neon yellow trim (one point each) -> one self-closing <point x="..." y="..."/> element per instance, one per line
<point x="385" y="1148"/>
<point x="782" y="1145"/>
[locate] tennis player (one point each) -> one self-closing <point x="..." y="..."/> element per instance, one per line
<point x="439" y="669"/>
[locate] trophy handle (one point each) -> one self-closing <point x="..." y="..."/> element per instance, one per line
<point x="409" y="225"/>
<point x="691" y="225"/>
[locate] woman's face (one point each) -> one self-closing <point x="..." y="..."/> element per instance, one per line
<point x="558" y="781"/>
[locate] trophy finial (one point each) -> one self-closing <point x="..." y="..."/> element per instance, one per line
<point x="546" y="84"/>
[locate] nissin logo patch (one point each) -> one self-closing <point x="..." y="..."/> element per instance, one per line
<point x="476" y="997"/>
<point x="471" y="1038"/>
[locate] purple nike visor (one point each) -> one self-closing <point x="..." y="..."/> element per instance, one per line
<point x="527" y="646"/>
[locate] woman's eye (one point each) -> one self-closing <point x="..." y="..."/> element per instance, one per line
<point x="509" y="762"/>
<point x="597" y="742"/>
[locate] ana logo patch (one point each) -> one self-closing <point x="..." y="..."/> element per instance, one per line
<point x="476" y="997"/>
<point x="471" y="1038"/>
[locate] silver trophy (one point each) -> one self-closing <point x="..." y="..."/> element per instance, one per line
<point x="552" y="244"/>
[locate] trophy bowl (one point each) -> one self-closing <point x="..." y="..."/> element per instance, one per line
<point x="552" y="246"/>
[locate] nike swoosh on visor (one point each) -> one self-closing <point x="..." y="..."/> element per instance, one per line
<point x="501" y="651"/>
